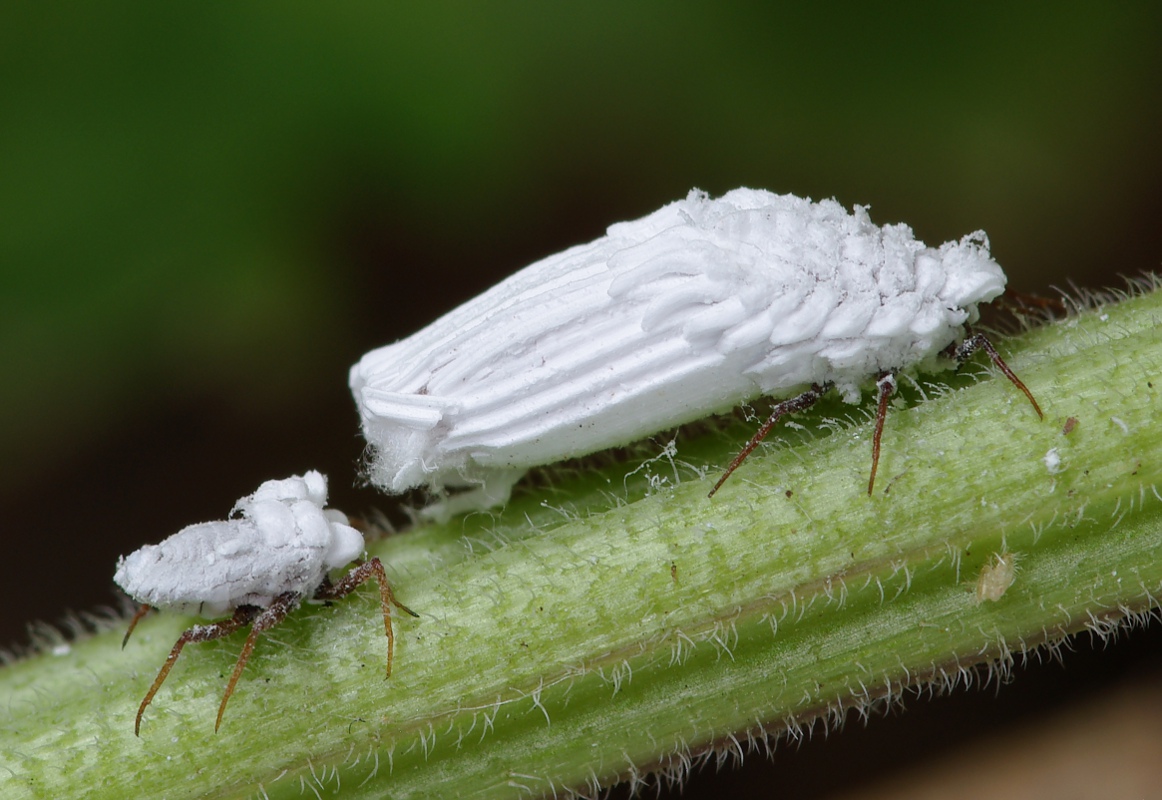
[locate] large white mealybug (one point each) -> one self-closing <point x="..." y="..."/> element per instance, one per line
<point x="689" y="311"/>
<point x="275" y="550"/>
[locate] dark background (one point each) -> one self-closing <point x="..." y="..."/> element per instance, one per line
<point x="207" y="213"/>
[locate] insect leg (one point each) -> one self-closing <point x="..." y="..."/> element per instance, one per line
<point x="798" y="403"/>
<point x="199" y="633"/>
<point x="978" y="341"/>
<point x="265" y="620"/>
<point x="886" y="383"/>
<point x="141" y="612"/>
<point x="354" y="578"/>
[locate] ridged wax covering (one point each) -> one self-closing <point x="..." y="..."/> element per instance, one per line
<point x="688" y="311"/>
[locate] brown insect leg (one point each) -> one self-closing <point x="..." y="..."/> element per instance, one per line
<point x="799" y="403"/>
<point x="887" y="386"/>
<point x="978" y="341"/>
<point x="141" y="612"/>
<point x="354" y="578"/>
<point x="199" y="633"/>
<point x="265" y="620"/>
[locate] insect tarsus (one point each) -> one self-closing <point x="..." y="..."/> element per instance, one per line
<point x="886" y="384"/>
<point x="262" y="619"/>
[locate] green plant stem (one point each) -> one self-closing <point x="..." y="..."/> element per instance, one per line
<point x="566" y="642"/>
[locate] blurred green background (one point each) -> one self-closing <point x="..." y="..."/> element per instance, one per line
<point x="209" y="211"/>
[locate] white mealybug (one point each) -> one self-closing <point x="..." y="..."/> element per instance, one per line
<point x="996" y="577"/>
<point x="275" y="550"/>
<point x="691" y="310"/>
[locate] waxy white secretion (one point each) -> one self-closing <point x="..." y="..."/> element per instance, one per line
<point x="689" y="311"/>
<point x="279" y="539"/>
<point x="274" y="551"/>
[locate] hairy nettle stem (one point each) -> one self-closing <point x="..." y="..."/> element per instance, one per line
<point x="617" y="621"/>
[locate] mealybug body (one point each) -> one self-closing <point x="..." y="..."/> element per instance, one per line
<point x="274" y="551"/>
<point x="689" y="311"/>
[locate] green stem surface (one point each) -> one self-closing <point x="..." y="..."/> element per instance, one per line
<point x="604" y="625"/>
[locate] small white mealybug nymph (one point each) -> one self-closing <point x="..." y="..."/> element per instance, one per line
<point x="275" y="550"/>
<point x="996" y="577"/>
<point x="691" y="310"/>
